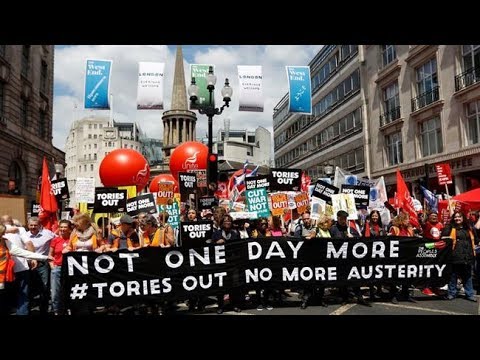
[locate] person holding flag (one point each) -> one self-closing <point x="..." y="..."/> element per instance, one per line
<point x="430" y="199"/>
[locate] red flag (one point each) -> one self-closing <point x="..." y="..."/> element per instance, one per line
<point x="305" y="182"/>
<point x="48" y="202"/>
<point x="405" y="201"/>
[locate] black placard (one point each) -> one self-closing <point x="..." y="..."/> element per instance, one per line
<point x="109" y="200"/>
<point x="187" y="182"/>
<point x="324" y="191"/>
<point x="60" y="189"/>
<point x="195" y="233"/>
<point x="207" y="202"/>
<point x="361" y="194"/>
<point x="142" y="203"/>
<point x="285" y="179"/>
<point x="34" y="208"/>
<point x="257" y="182"/>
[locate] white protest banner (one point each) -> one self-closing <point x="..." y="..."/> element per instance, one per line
<point x="150" y="85"/>
<point x="250" y="84"/>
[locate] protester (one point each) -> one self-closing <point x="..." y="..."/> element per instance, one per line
<point x="463" y="254"/>
<point x="7" y="249"/>
<point x="374" y="228"/>
<point x="401" y="227"/>
<point x="84" y="237"/>
<point x="40" y="275"/>
<point x="128" y="237"/>
<point x="341" y="230"/>
<point x="226" y="233"/>
<point x="56" y="251"/>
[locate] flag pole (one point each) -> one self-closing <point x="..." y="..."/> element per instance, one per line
<point x="450" y="210"/>
<point x="111" y="110"/>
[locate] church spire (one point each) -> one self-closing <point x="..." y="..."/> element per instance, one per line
<point x="179" y="93"/>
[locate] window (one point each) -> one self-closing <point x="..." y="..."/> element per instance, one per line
<point x="347" y="50"/>
<point x="43" y="77"/>
<point x="91" y="167"/>
<point x="25" y="60"/>
<point x="24" y="112"/>
<point x="473" y="119"/>
<point x="95" y="156"/>
<point x="89" y="136"/>
<point x="2" y="109"/>
<point x="3" y="48"/>
<point x="251" y="139"/>
<point x="89" y="146"/>
<point x="427" y="83"/>
<point x="356" y="80"/>
<point x="394" y="150"/>
<point x="431" y="137"/>
<point x="471" y="57"/>
<point x="471" y="67"/>
<point x="94" y="126"/>
<point x="391" y="103"/>
<point x="95" y="145"/>
<point x="42" y="126"/>
<point x="388" y="54"/>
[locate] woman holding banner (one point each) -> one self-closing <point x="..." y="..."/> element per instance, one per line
<point x="374" y="228"/>
<point x="226" y="233"/>
<point x="463" y="254"/>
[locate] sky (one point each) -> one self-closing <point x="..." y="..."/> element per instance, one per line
<point x="69" y="82"/>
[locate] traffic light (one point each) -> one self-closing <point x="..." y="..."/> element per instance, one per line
<point x="212" y="168"/>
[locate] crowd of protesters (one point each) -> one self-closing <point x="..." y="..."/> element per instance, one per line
<point x="38" y="254"/>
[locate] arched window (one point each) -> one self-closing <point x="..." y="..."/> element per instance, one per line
<point x="15" y="174"/>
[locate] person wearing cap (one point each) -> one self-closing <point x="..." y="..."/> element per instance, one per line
<point x="128" y="237"/>
<point x="152" y="234"/>
<point x="341" y="230"/>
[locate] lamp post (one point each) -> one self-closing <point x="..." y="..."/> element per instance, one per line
<point x="328" y="170"/>
<point x="59" y="173"/>
<point x="210" y="110"/>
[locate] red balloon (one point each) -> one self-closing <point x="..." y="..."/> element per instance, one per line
<point x="162" y="177"/>
<point x="190" y="155"/>
<point x="124" y="167"/>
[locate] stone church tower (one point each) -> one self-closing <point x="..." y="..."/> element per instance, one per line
<point x="178" y="122"/>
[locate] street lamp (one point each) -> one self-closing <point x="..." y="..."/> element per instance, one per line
<point x="210" y="110"/>
<point x="328" y="170"/>
<point x="58" y="170"/>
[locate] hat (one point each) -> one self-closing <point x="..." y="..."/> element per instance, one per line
<point x="342" y="213"/>
<point x="115" y="221"/>
<point x="149" y="219"/>
<point x="126" y="219"/>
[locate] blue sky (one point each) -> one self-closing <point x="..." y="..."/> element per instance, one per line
<point x="69" y="75"/>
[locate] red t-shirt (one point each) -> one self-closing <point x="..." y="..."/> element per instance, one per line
<point x="432" y="231"/>
<point x="58" y="244"/>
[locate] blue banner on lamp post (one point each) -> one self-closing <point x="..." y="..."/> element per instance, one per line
<point x="300" y="90"/>
<point x="97" y="84"/>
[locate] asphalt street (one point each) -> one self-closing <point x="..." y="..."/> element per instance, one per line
<point x="424" y="305"/>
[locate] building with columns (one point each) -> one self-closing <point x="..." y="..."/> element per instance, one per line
<point x="424" y="109"/>
<point x="178" y="122"/>
<point x="26" y="98"/>
<point x="90" y="139"/>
